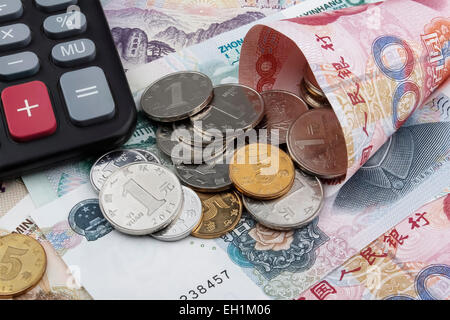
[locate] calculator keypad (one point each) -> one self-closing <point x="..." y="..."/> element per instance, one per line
<point x="87" y="96"/>
<point x="29" y="112"/>
<point x="19" y="65"/>
<point x="10" y="9"/>
<point x="14" y="36"/>
<point x="63" y="92"/>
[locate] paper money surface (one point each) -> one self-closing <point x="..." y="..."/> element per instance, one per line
<point x="376" y="64"/>
<point x="217" y="57"/>
<point x="148" y="30"/>
<point x="263" y="262"/>
<point x="11" y="192"/>
<point x="409" y="262"/>
<point x="59" y="281"/>
<point x="112" y="265"/>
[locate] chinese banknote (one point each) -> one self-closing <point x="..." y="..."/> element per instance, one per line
<point x="387" y="86"/>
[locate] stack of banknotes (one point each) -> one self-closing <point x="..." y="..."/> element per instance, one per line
<point x="383" y="232"/>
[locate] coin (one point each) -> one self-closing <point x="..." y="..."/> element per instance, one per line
<point x="317" y="144"/>
<point x="177" y="96"/>
<point x="111" y="162"/>
<point x="190" y="217"/>
<point x="234" y="107"/>
<point x="186" y="133"/>
<point x="294" y="210"/>
<point x="213" y="177"/>
<point x="311" y="82"/>
<point x="149" y="156"/>
<point x="23" y="264"/>
<point x="281" y="109"/>
<point x="313" y="101"/>
<point x="221" y="213"/>
<point x="168" y="142"/>
<point x="262" y="171"/>
<point x="141" y="198"/>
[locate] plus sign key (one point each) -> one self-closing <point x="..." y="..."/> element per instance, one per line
<point x="29" y="112"/>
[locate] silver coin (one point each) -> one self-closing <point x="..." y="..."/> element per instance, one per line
<point x="110" y="163"/>
<point x="149" y="156"/>
<point x="169" y="143"/>
<point x="234" y="107"/>
<point x="212" y="177"/>
<point x="186" y="133"/>
<point x="141" y="198"/>
<point x="177" y="96"/>
<point x="294" y="210"/>
<point x="190" y="217"/>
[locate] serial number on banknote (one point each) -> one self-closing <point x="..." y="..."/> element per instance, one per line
<point x="210" y="284"/>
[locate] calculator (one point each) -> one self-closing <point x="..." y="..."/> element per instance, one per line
<point x="64" y="93"/>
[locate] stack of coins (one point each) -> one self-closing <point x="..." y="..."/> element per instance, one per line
<point x="203" y="195"/>
<point x="311" y="93"/>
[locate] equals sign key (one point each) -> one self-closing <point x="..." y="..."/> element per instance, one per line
<point x="91" y="104"/>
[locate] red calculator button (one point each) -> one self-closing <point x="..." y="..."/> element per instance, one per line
<point x="28" y="110"/>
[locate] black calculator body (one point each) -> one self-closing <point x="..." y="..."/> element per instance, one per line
<point x="64" y="93"/>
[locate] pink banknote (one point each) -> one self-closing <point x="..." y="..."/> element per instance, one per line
<point x="376" y="64"/>
<point x="410" y="261"/>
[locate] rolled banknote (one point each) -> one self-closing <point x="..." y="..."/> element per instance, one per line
<point x="408" y="262"/>
<point x="376" y="64"/>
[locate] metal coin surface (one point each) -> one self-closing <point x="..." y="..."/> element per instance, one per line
<point x="186" y="133"/>
<point x="262" y="171"/>
<point x="149" y="156"/>
<point x="213" y="177"/>
<point x="313" y="101"/>
<point x="281" y="109"/>
<point x="170" y="144"/>
<point x="297" y="208"/>
<point x="190" y="217"/>
<point x="317" y="144"/>
<point x="311" y="82"/>
<point x="23" y="264"/>
<point x="110" y="163"/>
<point x="141" y="198"/>
<point x="221" y="214"/>
<point x="177" y="96"/>
<point x="234" y="107"/>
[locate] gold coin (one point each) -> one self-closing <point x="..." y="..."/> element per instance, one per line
<point x="262" y="171"/>
<point x="22" y="264"/>
<point x="221" y="214"/>
<point x="312" y="100"/>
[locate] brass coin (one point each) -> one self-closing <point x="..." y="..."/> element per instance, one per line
<point x="311" y="83"/>
<point x="221" y="214"/>
<point x="22" y="264"/>
<point x="315" y="102"/>
<point x="317" y="144"/>
<point x="262" y="171"/>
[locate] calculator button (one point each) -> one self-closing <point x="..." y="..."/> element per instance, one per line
<point x="28" y="110"/>
<point x="87" y="96"/>
<point x="14" y="36"/>
<point x="10" y="10"/>
<point x="65" y="25"/>
<point x="54" y="5"/>
<point x="19" y="65"/>
<point x="69" y="54"/>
